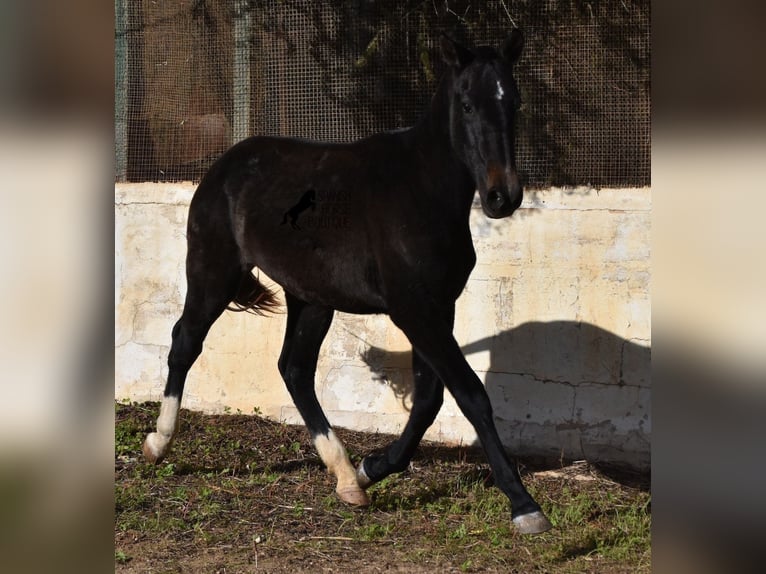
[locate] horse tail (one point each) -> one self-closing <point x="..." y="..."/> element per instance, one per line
<point x="254" y="297"/>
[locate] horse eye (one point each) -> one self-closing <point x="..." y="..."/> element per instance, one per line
<point x="467" y="108"/>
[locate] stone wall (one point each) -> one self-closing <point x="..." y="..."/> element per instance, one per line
<point x="555" y="320"/>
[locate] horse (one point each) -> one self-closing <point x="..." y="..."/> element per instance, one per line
<point x="404" y="249"/>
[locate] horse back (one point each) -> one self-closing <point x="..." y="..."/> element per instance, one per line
<point x="301" y="212"/>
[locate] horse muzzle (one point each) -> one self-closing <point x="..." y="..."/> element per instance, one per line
<point x="502" y="193"/>
<point x="501" y="201"/>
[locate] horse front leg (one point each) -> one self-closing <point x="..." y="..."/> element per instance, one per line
<point x="421" y="321"/>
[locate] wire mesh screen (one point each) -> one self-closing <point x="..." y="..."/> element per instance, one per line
<point x="199" y="75"/>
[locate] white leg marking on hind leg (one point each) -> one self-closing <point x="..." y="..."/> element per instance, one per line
<point x="157" y="443"/>
<point x="167" y="423"/>
<point x="333" y="454"/>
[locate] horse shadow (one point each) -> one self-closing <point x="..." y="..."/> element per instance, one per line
<point x="561" y="391"/>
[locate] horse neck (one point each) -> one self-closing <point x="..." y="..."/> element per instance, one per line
<point x="431" y="134"/>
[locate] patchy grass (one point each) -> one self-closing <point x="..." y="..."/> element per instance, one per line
<point x="242" y="494"/>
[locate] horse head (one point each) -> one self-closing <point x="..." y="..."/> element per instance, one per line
<point x="483" y="101"/>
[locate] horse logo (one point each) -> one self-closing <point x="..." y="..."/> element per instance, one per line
<point x="307" y="200"/>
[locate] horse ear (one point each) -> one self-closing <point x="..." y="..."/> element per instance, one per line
<point x="454" y="54"/>
<point x="512" y="46"/>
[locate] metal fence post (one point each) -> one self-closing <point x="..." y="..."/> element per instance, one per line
<point x="242" y="96"/>
<point x="120" y="90"/>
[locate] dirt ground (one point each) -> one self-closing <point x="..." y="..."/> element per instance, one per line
<point x="239" y="493"/>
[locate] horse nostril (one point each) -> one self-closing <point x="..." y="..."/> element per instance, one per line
<point x="495" y="198"/>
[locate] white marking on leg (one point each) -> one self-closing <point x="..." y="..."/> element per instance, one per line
<point x="333" y="454"/>
<point x="500" y="93"/>
<point x="157" y="443"/>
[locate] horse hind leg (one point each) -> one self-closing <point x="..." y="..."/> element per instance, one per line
<point x="188" y="334"/>
<point x="307" y="326"/>
<point x="427" y="399"/>
<point x="214" y="279"/>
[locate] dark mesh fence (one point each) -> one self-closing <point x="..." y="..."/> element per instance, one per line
<point x="195" y="76"/>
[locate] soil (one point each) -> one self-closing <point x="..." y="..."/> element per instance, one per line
<point x="239" y="493"/>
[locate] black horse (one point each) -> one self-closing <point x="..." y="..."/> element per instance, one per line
<point x="405" y="250"/>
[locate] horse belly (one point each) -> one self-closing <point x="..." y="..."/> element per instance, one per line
<point x="332" y="284"/>
<point x="324" y="269"/>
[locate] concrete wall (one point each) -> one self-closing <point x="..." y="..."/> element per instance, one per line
<point x="555" y="319"/>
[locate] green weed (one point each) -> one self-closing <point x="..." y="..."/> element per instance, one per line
<point x="374" y="531"/>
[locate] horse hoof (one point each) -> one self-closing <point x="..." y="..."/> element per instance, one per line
<point x="361" y="476"/>
<point x="153" y="452"/>
<point x="354" y="496"/>
<point x="532" y="523"/>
